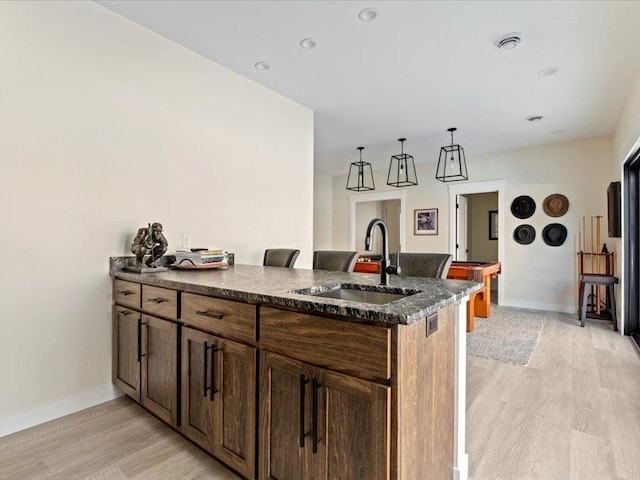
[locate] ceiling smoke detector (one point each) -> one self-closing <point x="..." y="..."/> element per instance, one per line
<point x="508" y="41"/>
<point x="535" y="118"/>
<point x="262" y="66"/>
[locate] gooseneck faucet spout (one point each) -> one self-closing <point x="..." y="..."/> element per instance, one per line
<point x="385" y="267"/>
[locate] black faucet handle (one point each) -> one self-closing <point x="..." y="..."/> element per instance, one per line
<point x="393" y="269"/>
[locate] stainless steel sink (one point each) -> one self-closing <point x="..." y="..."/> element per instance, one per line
<point x="376" y="294"/>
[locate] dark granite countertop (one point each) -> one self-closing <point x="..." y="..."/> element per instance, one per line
<point x="275" y="286"/>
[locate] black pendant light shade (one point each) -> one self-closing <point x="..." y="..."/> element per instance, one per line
<point x="402" y="170"/>
<point x="360" y="176"/>
<point x="452" y="165"/>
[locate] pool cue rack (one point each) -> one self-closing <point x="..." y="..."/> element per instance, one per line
<point x="596" y="260"/>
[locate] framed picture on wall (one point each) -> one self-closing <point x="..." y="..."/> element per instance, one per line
<point x="493" y="224"/>
<point x="426" y="221"/>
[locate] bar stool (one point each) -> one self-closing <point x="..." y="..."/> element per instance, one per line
<point x="588" y="279"/>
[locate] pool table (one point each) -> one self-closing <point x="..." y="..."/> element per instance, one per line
<point x="482" y="272"/>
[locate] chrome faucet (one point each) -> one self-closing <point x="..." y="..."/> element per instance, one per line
<point x="385" y="268"/>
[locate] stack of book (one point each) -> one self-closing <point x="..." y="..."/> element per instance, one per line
<point x="198" y="256"/>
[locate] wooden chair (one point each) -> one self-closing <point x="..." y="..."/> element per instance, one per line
<point x="280" y="257"/>
<point x="334" y="260"/>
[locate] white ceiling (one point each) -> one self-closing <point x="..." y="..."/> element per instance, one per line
<point x="420" y="67"/>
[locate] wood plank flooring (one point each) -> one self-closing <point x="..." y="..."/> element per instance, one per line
<point x="573" y="413"/>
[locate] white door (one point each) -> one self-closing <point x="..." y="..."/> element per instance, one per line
<point x="461" y="228"/>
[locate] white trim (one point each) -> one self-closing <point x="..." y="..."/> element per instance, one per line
<point x="548" y="307"/>
<point x="481" y="187"/>
<point x="375" y="197"/>
<point x="50" y="411"/>
<point x="621" y="304"/>
<point x="460" y="456"/>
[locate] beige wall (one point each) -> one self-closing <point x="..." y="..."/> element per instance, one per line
<point x="107" y="126"/>
<point x="480" y="247"/>
<point x="322" y="212"/>
<point x="534" y="275"/>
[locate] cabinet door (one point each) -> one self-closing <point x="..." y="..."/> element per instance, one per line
<point x="234" y="405"/>
<point x="126" y="351"/>
<point x="159" y="368"/>
<point x="285" y="420"/>
<point x="197" y="415"/>
<point x="351" y="428"/>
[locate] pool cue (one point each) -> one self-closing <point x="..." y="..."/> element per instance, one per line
<point x="598" y="263"/>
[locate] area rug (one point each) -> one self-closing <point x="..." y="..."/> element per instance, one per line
<point x="509" y="335"/>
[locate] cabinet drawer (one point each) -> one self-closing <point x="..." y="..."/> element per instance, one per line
<point x="160" y="301"/>
<point x="221" y="317"/>
<point x="126" y="293"/>
<point x="352" y="348"/>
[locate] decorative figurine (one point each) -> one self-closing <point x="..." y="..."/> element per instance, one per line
<point x="149" y="241"/>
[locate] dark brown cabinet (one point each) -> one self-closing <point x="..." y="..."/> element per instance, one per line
<point x="126" y="343"/>
<point x="145" y="353"/>
<point x="159" y="355"/>
<point x="218" y="397"/>
<point x="314" y="423"/>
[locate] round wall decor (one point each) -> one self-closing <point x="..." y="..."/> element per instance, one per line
<point x="554" y="234"/>
<point x="524" y="234"/>
<point x="523" y="206"/>
<point x="555" y="205"/>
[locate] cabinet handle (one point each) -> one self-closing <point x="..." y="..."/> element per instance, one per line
<point x="316" y="437"/>
<point x="157" y="300"/>
<point x="204" y="313"/>
<point x="125" y="292"/>
<point x="124" y="313"/>
<point x="212" y="390"/>
<point x="207" y="347"/>
<point x="303" y="389"/>
<point x="140" y="354"/>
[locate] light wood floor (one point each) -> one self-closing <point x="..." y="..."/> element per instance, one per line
<point x="572" y="414"/>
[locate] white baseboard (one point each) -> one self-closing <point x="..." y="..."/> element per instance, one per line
<point x="548" y="307"/>
<point x="461" y="471"/>
<point x="50" y="411"/>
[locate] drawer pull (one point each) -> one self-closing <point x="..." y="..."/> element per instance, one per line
<point x="126" y="292"/>
<point x="124" y="313"/>
<point x="303" y="388"/>
<point x="210" y="315"/>
<point x="316" y="436"/>
<point x="207" y="347"/>
<point x="140" y="354"/>
<point x="158" y="300"/>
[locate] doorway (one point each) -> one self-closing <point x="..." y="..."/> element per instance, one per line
<point x="631" y="252"/>
<point x="467" y="189"/>
<point x="378" y="200"/>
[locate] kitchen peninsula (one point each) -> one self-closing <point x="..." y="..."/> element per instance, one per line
<point x="264" y="370"/>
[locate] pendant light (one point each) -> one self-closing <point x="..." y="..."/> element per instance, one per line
<point x="360" y="176"/>
<point x="402" y="170"/>
<point x="452" y="165"/>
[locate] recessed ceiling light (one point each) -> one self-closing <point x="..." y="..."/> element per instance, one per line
<point x="509" y="41"/>
<point x="535" y="118"/>
<point x="368" y="15"/>
<point x="545" y="72"/>
<point x="308" y="43"/>
<point x="262" y="66"/>
<point x="558" y="131"/>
